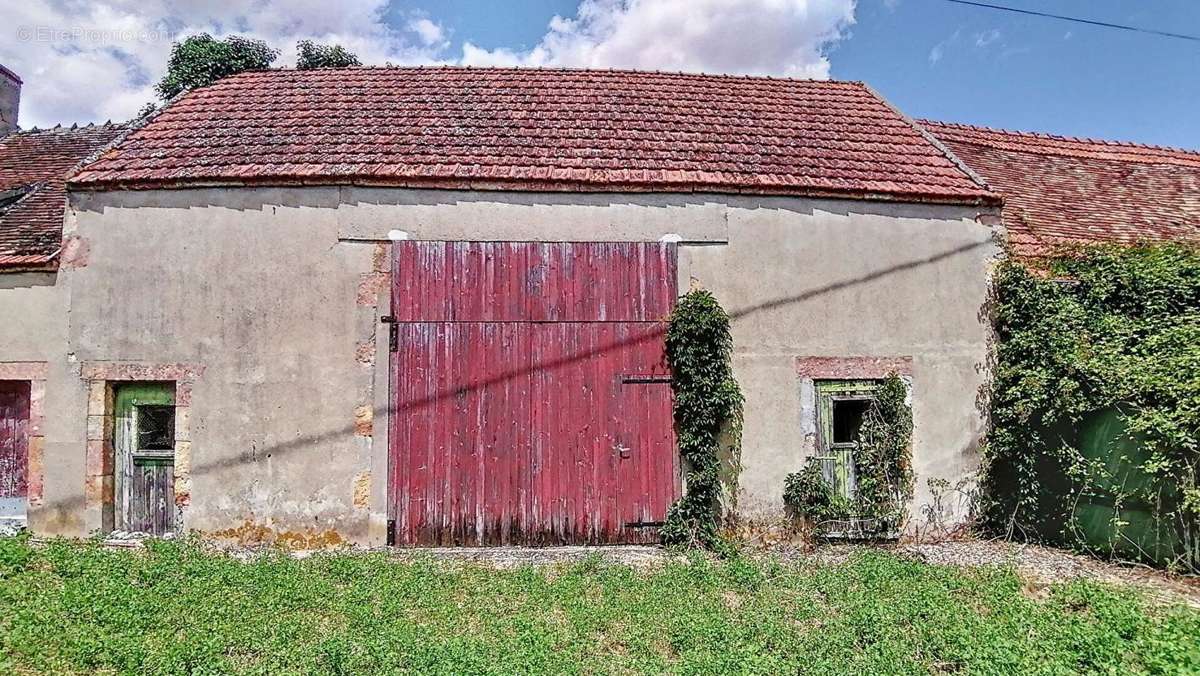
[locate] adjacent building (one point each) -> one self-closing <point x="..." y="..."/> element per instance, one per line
<point x="34" y="306"/>
<point x="1062" y="191"/>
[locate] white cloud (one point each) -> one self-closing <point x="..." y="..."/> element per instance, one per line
<point x="939" y="50"/>
<point x="986" y="37"/>
<point x="781" y="37"/>
<point x="936" y="53"/>
<point x="431" y="34"/>
<point x="91" y="60"/>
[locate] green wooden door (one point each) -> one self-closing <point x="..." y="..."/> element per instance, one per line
<point x="144" y="446"/>
<point x="841" y="405"/>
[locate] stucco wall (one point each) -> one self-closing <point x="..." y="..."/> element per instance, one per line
<point x="33" y="308"/>
<point x="275" y="294"/>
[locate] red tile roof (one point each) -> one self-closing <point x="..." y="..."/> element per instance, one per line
<point x="1059" y="190"/>
<point x="535" y="129"/>
<point x="33" y="198"/>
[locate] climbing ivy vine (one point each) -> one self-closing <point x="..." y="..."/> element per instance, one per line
<point x="882" y="468"/>
<point x="708" y="407"/>
<point x="883" y="461"/>
<point x="1095" y="403"/>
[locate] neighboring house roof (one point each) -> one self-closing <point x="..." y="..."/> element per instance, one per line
<point x="1059" y="190"/>
<point x="33" y="198"/>
<point x="537" y="129"/>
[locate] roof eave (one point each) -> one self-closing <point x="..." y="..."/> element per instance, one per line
<point x="30" y="263"/>
<point x="980" y="198"/>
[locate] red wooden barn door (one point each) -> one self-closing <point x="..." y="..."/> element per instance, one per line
<point x="532" y="403"/>
<point x="14" y="441"/>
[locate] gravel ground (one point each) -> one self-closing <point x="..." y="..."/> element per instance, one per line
<point x="513" y="557"/>
<point x="1039" y="566"/>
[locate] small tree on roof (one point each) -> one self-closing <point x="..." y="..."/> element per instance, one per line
<point x="200" y="60"/>
<point x="311" y="55"/>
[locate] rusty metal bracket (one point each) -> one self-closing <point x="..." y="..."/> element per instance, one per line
<point x="644" y="524"/>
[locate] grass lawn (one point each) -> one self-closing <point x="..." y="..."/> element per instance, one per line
<point x="75" y="607"/>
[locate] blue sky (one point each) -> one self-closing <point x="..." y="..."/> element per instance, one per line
<point x="1023" y="72"/>
<point x="99" y="59"/>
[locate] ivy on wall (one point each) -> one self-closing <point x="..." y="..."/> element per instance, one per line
<point x="708" y="404"/>
<point x="882" y="468"/>
<point x="883" y="461"/>
<point x="1095" y="403"/>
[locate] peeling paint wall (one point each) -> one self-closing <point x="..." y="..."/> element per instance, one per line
<point x="277" y="294"/>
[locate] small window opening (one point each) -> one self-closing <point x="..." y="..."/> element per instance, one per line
<point x="848" y="419"/>
<point x="155" y="427"/>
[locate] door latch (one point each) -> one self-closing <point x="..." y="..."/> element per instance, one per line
<point x="622" y="450"/>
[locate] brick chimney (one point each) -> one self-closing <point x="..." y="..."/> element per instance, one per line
<point x="10" y="100"/>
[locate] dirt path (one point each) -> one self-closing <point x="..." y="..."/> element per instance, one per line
<point x="1042" y="566"/>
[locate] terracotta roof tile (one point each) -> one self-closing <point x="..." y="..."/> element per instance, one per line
<point x="1060" y="190"/>
<point x="33" y="198"/>
<point x="534" y="129"/>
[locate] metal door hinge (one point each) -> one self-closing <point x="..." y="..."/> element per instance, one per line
<point x="645" y="379"/>
<point x="393" y="332"/>
<point x="391" y="533"/>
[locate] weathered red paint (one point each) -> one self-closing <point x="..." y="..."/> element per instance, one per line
<point x="515" y="419"/>
<point x="14" y="438"/>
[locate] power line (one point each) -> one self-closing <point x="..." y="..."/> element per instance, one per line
<point x="1105" y="24"/>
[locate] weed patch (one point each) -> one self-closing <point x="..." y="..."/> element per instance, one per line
<point x="71" y="607"/>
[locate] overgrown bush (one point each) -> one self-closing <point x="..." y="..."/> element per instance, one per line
<point x="310" y="55"/>
<point x="1095" y="403"/>
<point x="200" y="60"/>
<point x="707" y="403"/>
<point x="882" y="467"/>
<point x="808" y="494"/>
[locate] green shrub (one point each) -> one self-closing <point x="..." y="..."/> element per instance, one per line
<point x="1095" y="403"/>
<point x="806" y="493"/>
